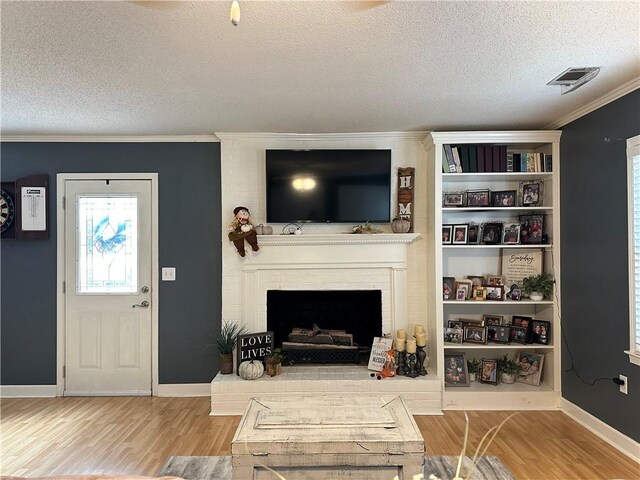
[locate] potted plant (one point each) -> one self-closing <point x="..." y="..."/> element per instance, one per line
<point x="508" y="369"/>
<point x="273" y="362"/>
<point x="538" y="286"/>
<point x="474" y="368"/>
<point x="226" y="342"/>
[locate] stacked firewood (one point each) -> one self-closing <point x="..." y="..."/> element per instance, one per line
<point x="316" y="338"/>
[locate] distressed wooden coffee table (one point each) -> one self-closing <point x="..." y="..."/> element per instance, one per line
<point x="327" y="437"/>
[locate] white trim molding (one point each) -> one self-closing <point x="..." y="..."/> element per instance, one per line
<point x="613" y="437"/>
<point x="27" y="391"/>
<point x="596" y="104"/>
<point x="184" y="390"/>
<point x="315" y="137"/>
<point x="633" y="150"/>
<point x="338" y="239"/>
<point x="111" y="138"/>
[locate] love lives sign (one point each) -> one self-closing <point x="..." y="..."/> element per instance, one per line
<point x="254" y="346"/>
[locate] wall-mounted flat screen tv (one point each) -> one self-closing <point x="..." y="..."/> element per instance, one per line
<point x="321" y="186"/>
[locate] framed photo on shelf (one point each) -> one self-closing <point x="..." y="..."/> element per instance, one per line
<point x="540" y="331"/>
<point x="453" y="199"/>
<point x="461" y="294"/>
<point x="479" y="198"/>
<point x="448" y="288"/>
<point x="530" y="368"/>
<point x="501" y="334"/>
<point x="530" y="193"/>
<point x="504" y="198"/>
<point x="491" y="233"/>
<point x="455" y="370"/>
<point x="521" y="321"/>
<point x="518" y="263"/>
<point x="475" y="334"/>
<point x="476" y="280"/>
<point x="511" y="234"/>
<point x="472" y="236"/>
<point x="490" y="320"/>
<point x="455" y="324"/>
<point x="531" y="228"/>
<point x="447" y="232"/>
<point x="460" y="234"/>
<point x="480" y="293"/>
<point x="489" y="371"/>
<point x="453" y="335"/>
<point x="516" y="294"/>
<point x="466" y="284"/>
<point x="471" y="322"/>
<point x="495" y="280"/>
<point x="518" y="335"/>
<point x="495" y="292"/>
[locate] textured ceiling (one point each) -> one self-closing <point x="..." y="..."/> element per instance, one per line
<point x="181" y="68"/>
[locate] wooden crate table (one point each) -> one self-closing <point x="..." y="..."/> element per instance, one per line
<point x="327" y="437"/>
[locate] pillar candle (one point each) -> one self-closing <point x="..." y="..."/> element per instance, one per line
<point x="418" y="330"/>
<point x="421" y="339"/>
<point x="411" y="346"/>
<point x="400" y="344"/>
<point x="402" y="334"/>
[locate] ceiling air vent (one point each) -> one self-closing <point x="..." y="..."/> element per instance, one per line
<point x="573" y="78"/>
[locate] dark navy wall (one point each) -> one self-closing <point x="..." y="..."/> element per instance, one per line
<point x="189" y="239"/>
<point x="595" y="289"/>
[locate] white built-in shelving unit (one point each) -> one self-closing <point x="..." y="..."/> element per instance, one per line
<point x="462" y="260"/>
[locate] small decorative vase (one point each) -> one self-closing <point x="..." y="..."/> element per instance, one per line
<point x="508" y="378"/>
<point x="535" y="296"/>
<point x="226" y="363"/>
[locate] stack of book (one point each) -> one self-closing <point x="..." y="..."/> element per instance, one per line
<point x="492" y="158"/>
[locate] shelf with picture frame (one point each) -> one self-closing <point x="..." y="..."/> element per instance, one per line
<point x="461" y="259"/>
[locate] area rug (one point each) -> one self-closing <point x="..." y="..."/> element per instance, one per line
<point x="219" y="468"/>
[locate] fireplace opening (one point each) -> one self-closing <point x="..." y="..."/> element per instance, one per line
<point x="357" y="312"/>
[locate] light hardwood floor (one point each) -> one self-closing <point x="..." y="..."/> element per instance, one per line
<point x="74" y="436"/>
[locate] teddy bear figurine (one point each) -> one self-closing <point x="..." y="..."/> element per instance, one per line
<point x="241" y="229"/>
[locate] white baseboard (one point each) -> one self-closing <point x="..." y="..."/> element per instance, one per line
<point x="27" y="391"/>
<point x="626" y="445"/>
<point x="184" y="390"/>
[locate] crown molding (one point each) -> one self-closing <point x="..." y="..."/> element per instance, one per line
<point x="515" y="136"/>
<point x="600" y="102"/>
<point x="319" y="136"/>
<point x="111" y="138"/>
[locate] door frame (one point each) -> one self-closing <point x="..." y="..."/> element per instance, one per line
<point x="61" y="178"/>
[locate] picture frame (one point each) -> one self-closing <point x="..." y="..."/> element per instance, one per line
<point x="466" y="284"/>
<point x="516" y="294"/>
<point x="501" y="334"/>
<point x="531" y="228"/>
<point x="491" y="233"/>
<point x="447" y="232"/>
<point x="476" y="280"/>
<point x="495" y="293"/>
<point x="518" y="263"/>
<point x="456" y="373"/>
<point x="518" y="335"/>
<point x="495" y="280"/>
<point x="480" y="293"/>
<point x="475" y="334"/>
<point x="540" y="331"/>
<point x="522" y="321"/>
<point x="489" y="371"/>
<point x="493" y="320"/>
<point x="473" y="234"/>
<point x="504" y="198"/>
<point x="531" y="365"/>
<point x="453" y="199"/>
<point x="479" y="198"/>
<point x="453" y="335"/>
<point x="530" y="193"/>
<point x="471" y="322"/>
<point x="460" y="234"/>
<point x="461" y="294"/>
<point x="448" y="288"/>
<point x="511" y="234"/>
<point x="458" y="324"/>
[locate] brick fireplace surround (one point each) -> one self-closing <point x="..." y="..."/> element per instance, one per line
<point x="326" y="262"/>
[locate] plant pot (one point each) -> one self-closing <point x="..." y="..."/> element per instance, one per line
<point x="273" y="369"/>
<point x="536" y="296"/>
<point x="472" y="377"/>
<point x="508" y="378"/>
<point x="226" y="363"/>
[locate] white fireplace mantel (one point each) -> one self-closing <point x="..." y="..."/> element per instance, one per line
<point x="338" y="239"/>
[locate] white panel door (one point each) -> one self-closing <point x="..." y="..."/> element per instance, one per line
<point x="108" y="287"/>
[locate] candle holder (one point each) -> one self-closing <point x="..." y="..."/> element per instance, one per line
<point x="400" y="359"/>
<point x="410" y="365"/>
<point x="422" y="355"/>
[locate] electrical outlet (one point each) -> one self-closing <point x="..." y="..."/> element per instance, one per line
<point x="624" y="388"/>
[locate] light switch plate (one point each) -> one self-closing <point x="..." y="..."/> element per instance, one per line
<point x="168" y="274"/>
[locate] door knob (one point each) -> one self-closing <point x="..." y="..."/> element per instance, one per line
<point x="144" y="304"/>
<point x="144" y="289"/>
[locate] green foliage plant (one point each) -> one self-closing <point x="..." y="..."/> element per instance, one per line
<point x="542" y="283"/>
<point x="508" y="366"/>
<point x="226" y="339"/>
